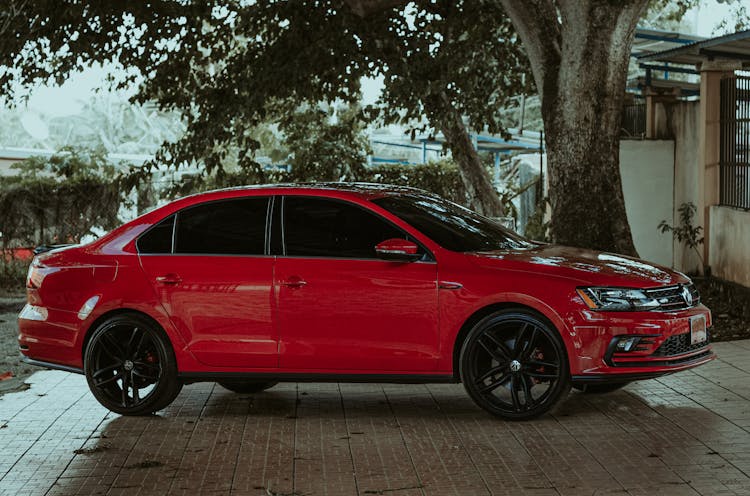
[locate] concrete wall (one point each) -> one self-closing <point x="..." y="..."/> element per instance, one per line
<point x="729" y="239"/>
<point x="647" y="169"/>
<point x="684" y="119"/>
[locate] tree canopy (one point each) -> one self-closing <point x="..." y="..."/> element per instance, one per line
<point x="226" y="65"/>
<point x="230" y="65"/>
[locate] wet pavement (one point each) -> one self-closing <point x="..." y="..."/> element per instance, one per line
<point x="684" y="434"/>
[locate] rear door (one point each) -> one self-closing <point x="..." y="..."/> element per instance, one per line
<point x="209" y="266"/>
<point x="342" y="309"/>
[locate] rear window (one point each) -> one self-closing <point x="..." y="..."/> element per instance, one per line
<point x="228" y="227"/>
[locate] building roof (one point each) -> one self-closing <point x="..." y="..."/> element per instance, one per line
<point x="735" y="46"/>
<point x="648" y="41"/>
<point x="488" y="143"/>
<point x="362" y="188"/>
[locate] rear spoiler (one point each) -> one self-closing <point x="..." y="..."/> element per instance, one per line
<point x="45" y="248"/>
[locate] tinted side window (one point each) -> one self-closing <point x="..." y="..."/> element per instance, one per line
<point x="317" y="227"/>
<point x="158" y="239"/>
<point x="229" y="227"/>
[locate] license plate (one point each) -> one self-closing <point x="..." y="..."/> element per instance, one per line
<point x="697" y="329"/>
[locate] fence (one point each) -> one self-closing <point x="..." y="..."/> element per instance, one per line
<point x="633" y="121"/>
<point x="734" y="147"/>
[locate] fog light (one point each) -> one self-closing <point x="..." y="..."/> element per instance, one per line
<point x="626" y="344"/>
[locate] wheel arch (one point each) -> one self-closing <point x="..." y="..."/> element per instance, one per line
<point x="121" y="311"/>
<point x="548" y="316"/>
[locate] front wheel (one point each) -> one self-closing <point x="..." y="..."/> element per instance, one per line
<point x="130" y="366"/>
<point x="514" y="365"/>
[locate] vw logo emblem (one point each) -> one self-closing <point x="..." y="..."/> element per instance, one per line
<point x="687" y="295"/>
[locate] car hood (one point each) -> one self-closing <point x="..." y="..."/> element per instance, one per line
<point x="586" y="266"/>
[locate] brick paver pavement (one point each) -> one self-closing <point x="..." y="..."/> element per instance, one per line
<point x="684" y="434"/>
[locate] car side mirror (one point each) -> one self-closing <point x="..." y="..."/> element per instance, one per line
<point x="398" y="250"/>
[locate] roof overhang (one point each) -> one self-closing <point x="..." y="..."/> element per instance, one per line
<point x="731" y="47"/>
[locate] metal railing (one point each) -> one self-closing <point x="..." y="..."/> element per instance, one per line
<point x="633" y="121"/>
<point x="734" y="145"/>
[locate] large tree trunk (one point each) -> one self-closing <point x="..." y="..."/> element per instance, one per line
<point x="482" y="196"/>
<point x="579" y="52"/>
<point x="582" y="117"/>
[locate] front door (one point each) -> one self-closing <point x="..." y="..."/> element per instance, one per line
<point x="216" y="281"/>
<point x="343" y="310"/>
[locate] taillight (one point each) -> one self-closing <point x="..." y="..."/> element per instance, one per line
<point x="34" y="277"/>
<point x="34" y="282"/>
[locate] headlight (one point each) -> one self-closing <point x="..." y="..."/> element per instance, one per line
<point x="617" y="299"/>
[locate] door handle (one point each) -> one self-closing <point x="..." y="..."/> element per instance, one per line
<point x="169" y="279"/>
<point x="294" y="282"/>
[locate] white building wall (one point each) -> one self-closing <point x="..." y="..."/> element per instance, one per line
<point x="688" y="172"/>
<point x="729" y="256"/>
<point x="647" y="170"/>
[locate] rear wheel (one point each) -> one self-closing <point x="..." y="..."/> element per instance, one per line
<point x="600" y="388"/>
<point x="513" y="364"/>
<point x="248" y="387"/>
<point x="130" y="366"/>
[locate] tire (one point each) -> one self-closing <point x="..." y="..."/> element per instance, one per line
<point x="130" y="366"/>
<point x="600" y="388"/>
<point x="247" y="387"/>
<point x="514" y="365"/>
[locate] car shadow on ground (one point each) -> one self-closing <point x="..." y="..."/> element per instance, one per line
<point x="350" y="438"/>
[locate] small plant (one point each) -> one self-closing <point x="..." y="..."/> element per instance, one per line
<point x="536" y="228"/>
<point x="686" y="233"/>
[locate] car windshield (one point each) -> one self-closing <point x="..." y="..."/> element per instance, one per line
<point x="452" y="226"/>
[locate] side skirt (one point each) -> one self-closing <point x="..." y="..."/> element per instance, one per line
<point x="190" y="377"/>
<point x="50" y="365"/>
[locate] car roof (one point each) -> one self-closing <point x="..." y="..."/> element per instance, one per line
<point x="365" y="190"/>
<point x="362" y="191"/>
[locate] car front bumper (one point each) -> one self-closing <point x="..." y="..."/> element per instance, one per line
<point x="663" y="345"/>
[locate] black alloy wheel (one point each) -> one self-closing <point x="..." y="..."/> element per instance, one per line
<point x="514" y="365"/>
<point x="600" y="388"/>
<point x="247" y="387"/>
<point x="130" y="366"/>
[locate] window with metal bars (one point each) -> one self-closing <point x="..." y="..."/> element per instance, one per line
<point x="734" y="147"/>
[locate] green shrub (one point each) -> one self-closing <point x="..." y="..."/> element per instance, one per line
<point x="13" y="275"/>
<point x="441" y="177"/>
<point x="58" y="199"/>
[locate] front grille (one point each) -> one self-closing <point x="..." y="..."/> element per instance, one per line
<point x="678" y="345"/>
<point x="671" y="298"/>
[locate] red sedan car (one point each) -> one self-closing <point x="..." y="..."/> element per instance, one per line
<point x="351" y="282"/>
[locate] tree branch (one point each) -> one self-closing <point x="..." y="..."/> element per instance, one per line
<point x="9" y="14"/>
<point x="537" y="23"/>
<point x="364" y="8"/>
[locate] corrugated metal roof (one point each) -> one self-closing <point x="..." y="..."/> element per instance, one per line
<point x="648" y="41"/>
<point x="735" y="46"/>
